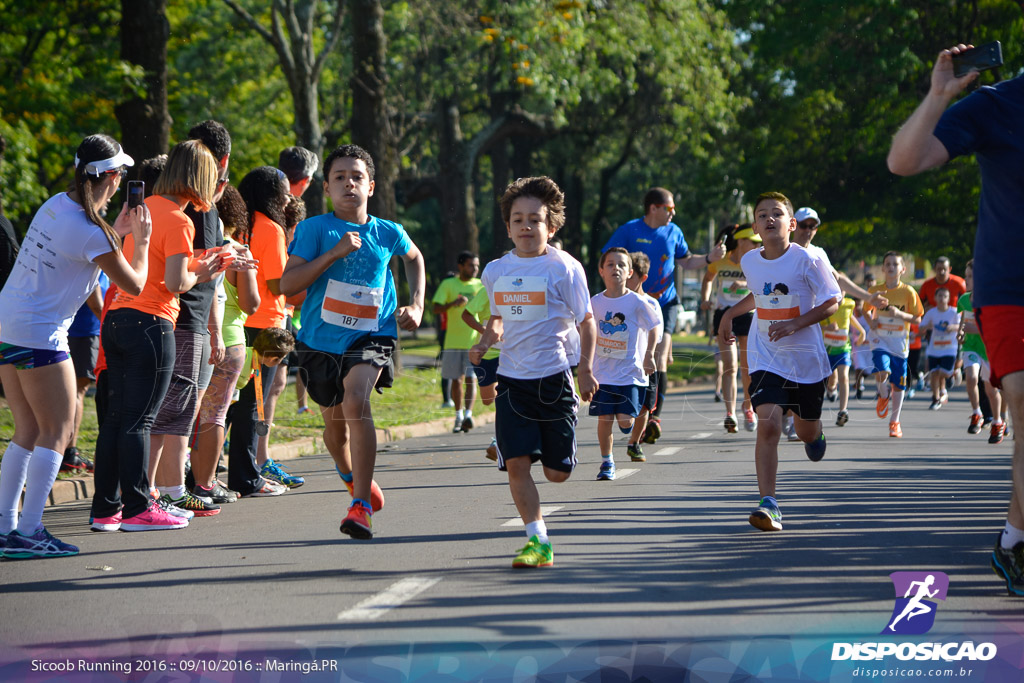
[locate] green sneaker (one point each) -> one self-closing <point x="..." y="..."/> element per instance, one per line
<point x="635" y="452"/>
<point x="534" y="554"/>
<point x="766" y="516"/>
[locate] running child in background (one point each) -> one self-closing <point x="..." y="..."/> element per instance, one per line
<point x="792" y="292"/>
<point x="476" y="314"/>
<point x="730" y="286"/>
<point x="641" y="266"/>
<point x="890" y="339"/>
<point x="538" y="295"/>
<point x="621" y="365"/>
<point x="836" y="333"/>
<point x="944" y="322"/>
<point x="976" y="366"/>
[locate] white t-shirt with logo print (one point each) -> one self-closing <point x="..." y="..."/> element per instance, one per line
<point x="623" y="324"/>
<point x="945" y="325"/>
<point x="783" y="289"/>
<point x="52" y="277"/>
<point x="540" y="301"/>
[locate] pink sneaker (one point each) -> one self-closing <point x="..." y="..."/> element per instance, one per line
<point x="111" y="523"/>
<point x="153" y="518"/>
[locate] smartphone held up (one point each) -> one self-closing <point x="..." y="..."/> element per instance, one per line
<point x="981" y="58"/>
<point x="136" y="193"/>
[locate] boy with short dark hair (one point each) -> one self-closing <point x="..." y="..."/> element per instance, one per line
<point x="350" y="319"/>
<point x="791" y="292"/>
<point x="641" y="266"/>
<point x="538" y="296"/>
<point x="890" y="339"/>
<point x="624" y="357"/>
<point x="944" y="322"/>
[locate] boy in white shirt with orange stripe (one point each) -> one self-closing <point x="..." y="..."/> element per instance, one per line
<point x="791" y="292"/>
<point x="538" y="297"/>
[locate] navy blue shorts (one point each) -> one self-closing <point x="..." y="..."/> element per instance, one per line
<point x="805" y="400"/>
<point x="941" y="364"/>
<point x="536" y="418"/>
<point x="617" y="400"/>
<point x="837" y="359"/>
<point x="24" y="358"/>
<point x="487" y="371"/>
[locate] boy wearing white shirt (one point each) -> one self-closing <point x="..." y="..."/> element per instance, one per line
<point x="791" y="292"/>
<point x="944" y="322"/>
<point x="538" y="297"/>
<point x="641" y="267"/>
<point x="621" y="364"/>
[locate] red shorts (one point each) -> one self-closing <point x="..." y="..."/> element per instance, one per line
<point x="1002" y="330"/>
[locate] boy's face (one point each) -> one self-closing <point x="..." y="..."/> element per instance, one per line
<point x="271" y="361"/>
<point x="893" y="267"/>
<point x="942" y="299"/>
<point x="615" y="270"/>
<point x="528" y="226"/>
<point x="635" y="281"/>
<point x="773" y="222"/>
<point x="969" y="279"/>
<point x="348" y="184"/>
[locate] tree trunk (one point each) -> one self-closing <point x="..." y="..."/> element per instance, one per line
<point x="571" y="233"/>
<point x="458" y="210"/>
<point x="499" y="179"/>
<point x="309" y="135"/>
<point x="371" y="127"/>
<point x="145" y="121"/>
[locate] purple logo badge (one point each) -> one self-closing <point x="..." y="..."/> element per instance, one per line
<point x="914" y="612"/>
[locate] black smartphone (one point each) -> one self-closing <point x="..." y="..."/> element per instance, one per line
<point x="981" y="58"/>
<point x="136" y="193"/>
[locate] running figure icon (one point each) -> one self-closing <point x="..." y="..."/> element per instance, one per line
<point x="916" y="607"/>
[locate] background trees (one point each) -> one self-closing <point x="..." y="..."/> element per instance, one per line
<point x="715" y="99"/>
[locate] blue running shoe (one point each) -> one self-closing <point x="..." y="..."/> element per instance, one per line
<point x="39" y="544"/>
<point x="275" y="472"/>
<point x="766" y="516"/>
<point x="815" y="450"/>
<point x="607" y="471"/>
<point x="1009" y="564"/>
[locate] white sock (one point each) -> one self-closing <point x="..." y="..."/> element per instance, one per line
<point x="1011" y="536"/>
<point x="459" y="414"/>
<point x="173" y="492"/>
<point x="538" y="529"/>
<point x="608" y="458"/>
<point x="977" y="411"/>
<point x="42" y="472"/>
<point x="469" y="412"/>
<point x="897" y="405"/>
<point x="12" y="479"/>
<point x="884" y="389"/>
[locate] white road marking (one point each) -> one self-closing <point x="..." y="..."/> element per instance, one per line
<point x="544" y="511"/>
<point x="622" y="474"/>
<point x="375" y="606"/>
<point x="671" y="450"/>
<point x="700" y="435"/>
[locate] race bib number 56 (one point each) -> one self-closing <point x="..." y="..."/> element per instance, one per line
<point x="521" y="298"/>
<point x="352" y="306"/>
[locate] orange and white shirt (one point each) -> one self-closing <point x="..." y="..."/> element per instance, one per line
<point x="786" y="288"/>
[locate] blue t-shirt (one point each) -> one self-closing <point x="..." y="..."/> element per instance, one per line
<point x="990" y="124"/>
<point x="662" y="245"/>
<point x="355" y="297"/>
<point x="86" y="324"/>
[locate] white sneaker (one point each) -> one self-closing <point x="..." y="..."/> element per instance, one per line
<point x="170" y="508"/>
<point x="268" y="489"/>
<point x="457" y="429"/>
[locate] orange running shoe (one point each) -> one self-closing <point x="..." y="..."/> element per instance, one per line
<point x="357" y="522"/>
<point x="376" y="495"/>
<point x="882" y="406"/>
<point x="895" y="431"/>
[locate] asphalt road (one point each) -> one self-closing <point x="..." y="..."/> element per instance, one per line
<point x="657" y="571"/>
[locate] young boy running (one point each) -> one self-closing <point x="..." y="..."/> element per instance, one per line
<point x="538" y="296"/>
<point x="641" y="267"/>
<point x="792" y="292"/>
<point x="944" y="323"/>
<point x="621" y="364"/>
<point x="350" y="319"/>
<point x="976" y="365"/>
<point x="836" y="333"/>
<point x="890" y="339"/>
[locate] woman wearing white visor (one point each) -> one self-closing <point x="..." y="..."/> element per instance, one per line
<point x="66" y="246"/>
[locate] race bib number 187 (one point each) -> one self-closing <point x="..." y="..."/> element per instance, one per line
<point x="352" y="306"/>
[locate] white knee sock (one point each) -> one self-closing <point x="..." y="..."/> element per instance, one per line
<point x="897" y="405"/>
<point x="12" y="480"/>
<point x="42" y="471"/>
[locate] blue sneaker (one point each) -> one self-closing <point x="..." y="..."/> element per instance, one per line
<point x="1009" y="565"/>
<point x="766" y="516"/>
<point x="39" y="544"/>
<point x="607" y="471"/>
<point x="815" y="450"/>
<point x="275" y="472"/>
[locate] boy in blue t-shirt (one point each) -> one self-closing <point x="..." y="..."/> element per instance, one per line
<point x="350" y="319"/>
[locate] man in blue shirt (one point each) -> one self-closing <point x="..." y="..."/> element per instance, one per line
<point x="662" y="240"/>
<point x="990" y="125"/>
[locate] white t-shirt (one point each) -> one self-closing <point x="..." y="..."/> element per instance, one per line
<point x="783" y="289"/>
<point x="623" y="323"/>
<point x="944" y="329"/>
<point x="658" y="331"/>
<point x="52" y="277"/>
<point x="819" y="253"/>
<point x="540" y="301"/>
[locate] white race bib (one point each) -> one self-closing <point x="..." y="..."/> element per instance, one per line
<point x="889" y="326"/>
<point x="614" y="345"/>
<point x="836" y="338"/>
<point x="354" y="307"/>
<point x="521" y="298"/>
<point x="775" y="308"/>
